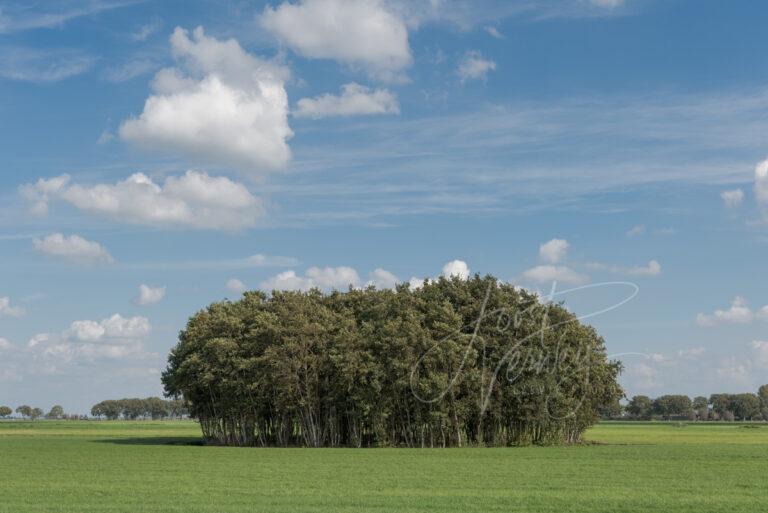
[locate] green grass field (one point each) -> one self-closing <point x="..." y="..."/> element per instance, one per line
<point x="155" y="466"/>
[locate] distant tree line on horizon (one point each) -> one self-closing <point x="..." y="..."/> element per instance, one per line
<point x="153" y="408"/>
<point x="718" y="407"/>
<point x="28" y="412"/>
<point x="130" y="409"/>
<point x="405" y="367"/>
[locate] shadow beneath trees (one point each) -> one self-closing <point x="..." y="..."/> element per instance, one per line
<point x="154" y="440"/>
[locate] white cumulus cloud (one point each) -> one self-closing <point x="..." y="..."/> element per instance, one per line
<point x="354" y="100"/>
<point x="7" y="309"/>
<point x="73" y="248"/>
<point x="457" y="268"/>
<point x="554" y="251"/>
<point x="235" y="285"/>
<point x="739" y="313"/>
<point x="114" y="328"/>
<point x="221" y="105"/>
<point x="5" y="344"/>
<point x="325" y="278"/>
<point x="382" y="279"/>
<point x="653" y="268"/>
<point x="473" y="66"/>
<point x="149" y="295"/>
<point x="193" y="199"/>
<point x="361" y="34"/>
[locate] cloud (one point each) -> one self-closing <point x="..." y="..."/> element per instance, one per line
<point x="457" y="268"/>
<point x="739" y="313"/>
<point x="341" y="278"/>
<point x="416" y="283"/>
<point x="31" y="65"/>
<point x="5" y="344"/>
<point x="220" y="105"/>
<point x="149" y="295"/>
<point x="554" y="251"/>
<point x="38" y="339"/>
<point x="454" y="268"/>
<point x="653" y="268"/>
<point x="73" y="248"/>
<point x="37" y="15"/>
<point x="494" y="32"/>
<point x="551" y="273"/>
<point x="474" y="67"/>
<point x="129" y="70"/>
<point x="7" y="309"/>
<point x="636" y="230"/>
<point x="338" y="278"/>
<point x="145" y="31"/>
<point x="194" y="200"/>
<point x="382" y="279"/>
<point x="362" y="34"/>
<point x="41" y="192"/>
<point x="732" y="198"/>
<point x="760" y="353"/>
<point x="114" y="328"/>
<point x="235" y="285"/>
<point x="355" y="100"/>
<point x="761" y="183"/>
<point x="115" y="337"/>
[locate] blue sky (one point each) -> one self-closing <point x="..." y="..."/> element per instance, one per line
<point x="329" y="142"/>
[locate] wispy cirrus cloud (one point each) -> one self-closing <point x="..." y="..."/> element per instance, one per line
<point x="38" y="65"/>
<point x="18" y="16"/>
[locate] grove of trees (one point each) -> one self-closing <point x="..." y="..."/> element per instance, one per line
<point x="727" y="407"/>
<point x="135" y="408"/>
<point x="452" y="363"/>
<point x="5" y="411"/>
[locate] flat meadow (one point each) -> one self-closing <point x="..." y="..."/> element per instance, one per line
<point x="160" y="466"/>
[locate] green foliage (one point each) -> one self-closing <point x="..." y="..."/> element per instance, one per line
<point x="24" y="410"/>
<point x="5" y="411"/>
<point x="640" y="407"/>
<point x="57" y="412"/>
<point x="149" y="408"/>
<point x="475" y="362"/>
<point x="668" y="406"/>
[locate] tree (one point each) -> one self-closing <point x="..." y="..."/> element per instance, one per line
<point x="5" y="412"/>
<point x="24" y="410"/>
<point x="673" y="405"/>
<point x="762" y="393"/>
<point x="640" y="407"/>
<point x="701" y="408"/>
<point x="56" y="412"/>
<point x="745" y="406"/>
<point x="36" y="413"/>
<point x="721" y="406"/>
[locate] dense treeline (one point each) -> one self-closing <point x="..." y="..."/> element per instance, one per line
<point x="135" y="408"/>
<point x="455" y="362"/>
<point x="728" y="407"/>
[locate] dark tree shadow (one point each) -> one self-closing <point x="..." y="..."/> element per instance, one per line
<point x="153" y="440"/>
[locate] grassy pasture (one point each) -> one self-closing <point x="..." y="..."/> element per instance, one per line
<point x="155" y="467"/>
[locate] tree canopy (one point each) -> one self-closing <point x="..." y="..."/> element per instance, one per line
<point x="455" y="362"/>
